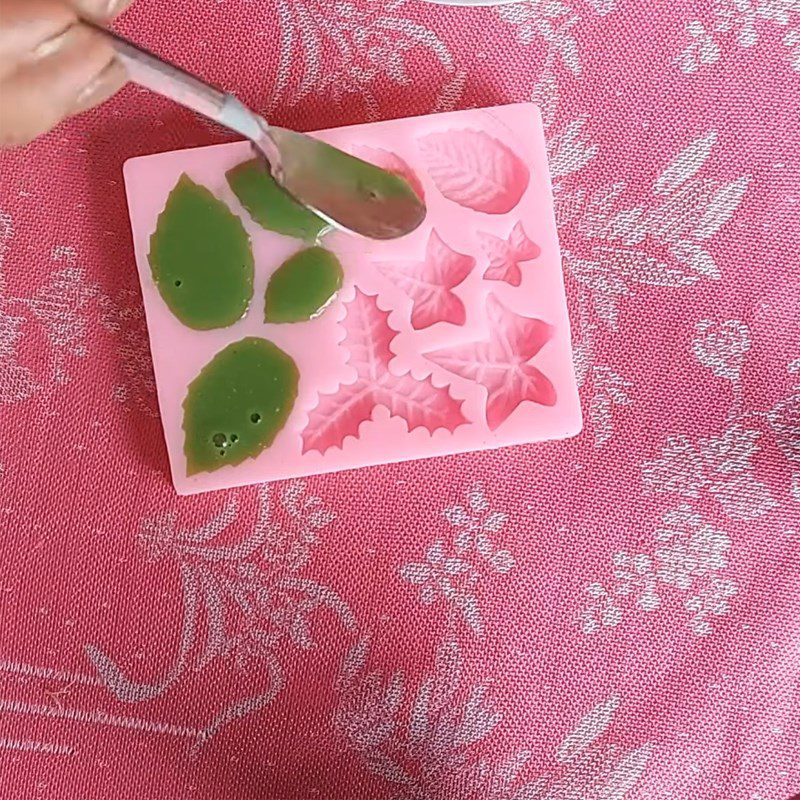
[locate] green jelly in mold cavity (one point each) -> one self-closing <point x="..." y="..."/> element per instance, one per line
<point x="302" y="287"/>
<point x="271" y="206"/>
<point x="238" y="403"/>
<point x="200" y="258"/>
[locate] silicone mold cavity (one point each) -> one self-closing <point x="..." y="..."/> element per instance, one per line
<point x="500" y="364"/>
<point x="368" y="337"/>
<point x="429" y="283"/>
<point x="475" y="170"/>
<point x="505" y="255"/>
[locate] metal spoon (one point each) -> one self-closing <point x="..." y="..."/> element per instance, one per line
<point x="344" y="190"/>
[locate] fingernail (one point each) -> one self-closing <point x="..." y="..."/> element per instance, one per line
<point x="52" y="45"/>
<point x="100" y="88"/>
<point x="83" y="100"/>
<point x="115" y="7"/>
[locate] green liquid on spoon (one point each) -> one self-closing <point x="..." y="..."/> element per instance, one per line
<point x="271" y="206"/>
<point x="358" y="195"/>
<point x="200" y="258"/>
<point x="238" y="404"/>
<point x="303" y="286"/>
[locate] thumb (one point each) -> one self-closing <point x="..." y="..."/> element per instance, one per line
<point x="99" y="10"/>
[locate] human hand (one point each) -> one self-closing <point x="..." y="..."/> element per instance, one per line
<point x="51" y="65"/>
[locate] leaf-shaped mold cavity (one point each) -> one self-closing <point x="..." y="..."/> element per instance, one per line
<point x="475" y="170"/>
<point x="270" y="205"/>
<point x="506" y="255"/>
<point x="501" y="363"/>
<point x="238" y="404"/>
<point x="303" y="287"/>
<point x="391" y="162"/>
<point x="430" y="283"/>
<point x="200" y="258"/>
<point x="368" y="337"/>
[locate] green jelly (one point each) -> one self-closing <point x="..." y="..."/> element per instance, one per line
<point x="200" y="258"/>
<point x="237" y="405"/>
<point x="270" y="205"/>
<point x="302" y="287"/>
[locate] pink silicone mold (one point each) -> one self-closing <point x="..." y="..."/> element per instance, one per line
<point x="368" y="341"/>
<point x="501" y="363"/>
<point x="451" y="339"/>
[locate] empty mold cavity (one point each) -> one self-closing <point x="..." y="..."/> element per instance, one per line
<point x="475" y="170"/>
<point x="500" y="364"/>
<point x="368" y="338"/>
<point x="506" y="255"/>
<point x="429" y="283"/>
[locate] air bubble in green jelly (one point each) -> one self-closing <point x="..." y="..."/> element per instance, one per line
<point x="270" y="205"/>
<point x="238" y="404"/>
<point x="303" y="287"/>
<point x="201" y="259"/>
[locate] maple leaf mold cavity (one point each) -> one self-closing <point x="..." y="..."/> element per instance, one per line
<point x="502" y="362"/>
<point x="430" y="282"/>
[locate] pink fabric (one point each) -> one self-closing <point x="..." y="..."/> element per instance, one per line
<point x="611" y="616"/>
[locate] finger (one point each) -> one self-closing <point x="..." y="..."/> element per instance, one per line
<point x="100" y="10"/>
<point x="28" y="23"/>
<point x="104" y="86"/>
<point x="42" y="92"/>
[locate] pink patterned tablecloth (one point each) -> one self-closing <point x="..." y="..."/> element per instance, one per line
<point x="612" y="616"/>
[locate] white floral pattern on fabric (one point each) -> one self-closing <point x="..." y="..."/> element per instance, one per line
<point x="553" y="22"/>
<point x="723" y="348"/>
<point x="59" y="308"/>
<point x="16" y="380"/>
<point x="610" y="390"/>
<point x="428" y="740"/>
<point x="371" y="42"/>
<point x="784" y="421"/>
<point x="691" y="556"/>
<point x="452" y="572"/>
<point x="610" y="248"/>
<point x="689" y="212"/>
<point x="741" y="22"/>
<point x="724" y="464"/>
<point x="249" y="594"/>
<point x="435" y="753"/>
<point x="123" y="317"/>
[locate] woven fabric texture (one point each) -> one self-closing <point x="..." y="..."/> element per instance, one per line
<point x="614" y="616"/>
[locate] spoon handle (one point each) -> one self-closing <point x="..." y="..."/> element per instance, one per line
<point x="147" y="69"/>
<point x="342" y="189"/>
